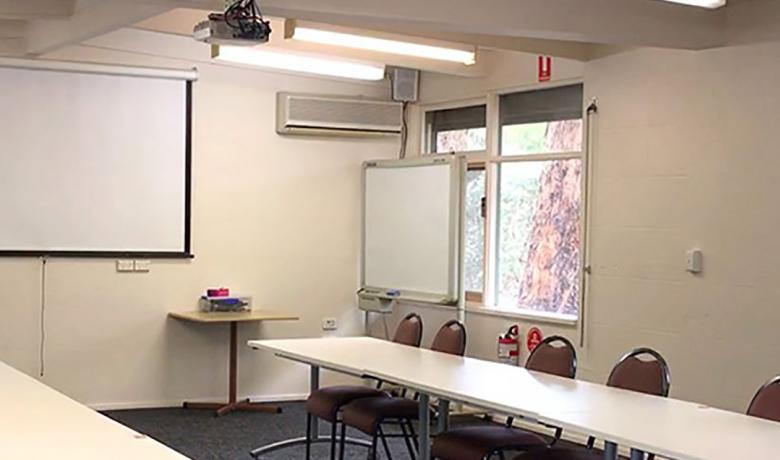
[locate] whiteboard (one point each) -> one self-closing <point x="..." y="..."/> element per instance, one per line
<point x="411" y="227"/>
<point x="93" y="164"/>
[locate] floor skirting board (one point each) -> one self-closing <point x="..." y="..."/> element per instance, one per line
<point x="178" y="402"/>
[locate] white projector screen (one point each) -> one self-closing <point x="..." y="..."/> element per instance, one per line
<point x="93" y="164"/>
<point x="410" y="228"/>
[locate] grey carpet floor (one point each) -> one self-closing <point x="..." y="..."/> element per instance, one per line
<point x="201" y="436"/>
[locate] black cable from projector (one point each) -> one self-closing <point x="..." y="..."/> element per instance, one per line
<point x="245" y="17"/>
<point x="404" y="129"/>
<point x="43" y="316"/>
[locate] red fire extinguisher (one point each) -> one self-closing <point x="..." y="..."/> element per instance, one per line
<point x="509" y="346"/>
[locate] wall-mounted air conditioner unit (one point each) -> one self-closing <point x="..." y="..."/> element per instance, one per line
<point x="333" y="115"/>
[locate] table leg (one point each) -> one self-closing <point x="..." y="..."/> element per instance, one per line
<point x="425" y="427"/>
<point x="314" y="384"/>
<point x="443" y="423"/>
<point x="233" y="402"/>
<point x="610" y="451"/>
<point x="637" y="454"/>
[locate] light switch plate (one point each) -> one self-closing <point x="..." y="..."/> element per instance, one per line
<point x="694" y="261"/>
<point x="142" y="265"/>
<point x="125" y="265"/>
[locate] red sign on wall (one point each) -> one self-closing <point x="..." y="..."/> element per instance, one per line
<point x="545" y="68"/>
<point x="534" y="338"/>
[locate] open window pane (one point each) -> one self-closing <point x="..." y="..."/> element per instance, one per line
<point x="475" y="230"/>
<point x="461" y="129"/>
<point x="542" y="137"/>
<point x="541" y="121"/>
<point x="461" y="140"/>
<point x="538" y="259"/>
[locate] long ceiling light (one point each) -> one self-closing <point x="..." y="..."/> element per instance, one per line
<point x="712" y="4"/>
<point x="270" y="59"/>
<point x="362" y="42"/>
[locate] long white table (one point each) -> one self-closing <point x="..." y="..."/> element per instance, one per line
<point x="37" y="422"/>
<point x="668" y="427"/>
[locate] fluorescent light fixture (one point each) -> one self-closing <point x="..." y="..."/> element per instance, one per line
<point x="712" y="4"/>
<point x="271" y="59"/>
<point x="362" y="42"/>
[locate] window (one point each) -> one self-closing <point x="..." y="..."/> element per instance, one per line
<point x="474" y="258"/>
<point x="544" y="121"/>
<point x="539" y="202"/>
<point x="461" y="129"/>
<point x="523" y="198"/>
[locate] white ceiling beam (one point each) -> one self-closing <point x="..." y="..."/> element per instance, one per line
<point x="36" y="9"/>
<point x="612" y="22"/>
<point x="94" y="19"/>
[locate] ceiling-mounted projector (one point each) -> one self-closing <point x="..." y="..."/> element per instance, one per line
<point x="241" y="24"/>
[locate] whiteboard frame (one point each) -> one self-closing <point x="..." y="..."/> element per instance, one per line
<point x="453" y="294"/>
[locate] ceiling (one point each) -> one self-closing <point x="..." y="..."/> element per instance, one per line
<point x="567" y="28"/>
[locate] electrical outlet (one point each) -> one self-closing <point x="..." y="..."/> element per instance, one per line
<point x="142" y="265"/>
<point x="125" y="265"/>
<point x="329" y="324"/>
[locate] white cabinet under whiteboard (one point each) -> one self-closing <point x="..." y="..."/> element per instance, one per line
<point x="411" y="227"/>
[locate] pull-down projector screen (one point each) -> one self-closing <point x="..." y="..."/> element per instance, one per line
<point x="93" y="164"/>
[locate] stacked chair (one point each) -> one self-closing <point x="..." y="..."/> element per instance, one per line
<point x="326" y="403"/>
<point x="370" y="414"/>
<point x="555" y="355"/>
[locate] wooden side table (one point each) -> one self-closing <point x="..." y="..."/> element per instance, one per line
<point x="232" y="318"/>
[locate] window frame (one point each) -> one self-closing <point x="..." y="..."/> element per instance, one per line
<point x="489" y="160"/>
<point x="426" y="137"/>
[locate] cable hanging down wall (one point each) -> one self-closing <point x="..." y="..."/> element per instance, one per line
<point x="42" y="344"/>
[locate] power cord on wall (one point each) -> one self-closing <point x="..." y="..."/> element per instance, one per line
<point x="404" y="130"/>
<point x="42" y="344"/>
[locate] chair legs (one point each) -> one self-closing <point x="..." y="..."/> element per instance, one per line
<point x="342" y="441"/>
<point x="372" y="455"/>
<point x="413" y="435"/>
<point x="381" y="434"/>
<point x="308" y="435"/>
<point x="333" y="437"/>
<point x="408" y="441"/>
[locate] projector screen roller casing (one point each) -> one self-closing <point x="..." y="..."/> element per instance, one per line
<point x="94" y="165"/>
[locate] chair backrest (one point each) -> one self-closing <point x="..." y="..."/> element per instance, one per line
<point x="451" y="338"/>
<point x="409" y="330"/>
<point x="766" y="403"/>
<point x="555" y="355"/>
<point x="649" y="376"/>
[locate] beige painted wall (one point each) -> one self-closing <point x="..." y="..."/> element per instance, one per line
<point x="685" y="156"/>
<point x="274" y="217"/>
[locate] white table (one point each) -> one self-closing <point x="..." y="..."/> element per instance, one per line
<point x="668" y="427"/>
<point x="37" y="422"/>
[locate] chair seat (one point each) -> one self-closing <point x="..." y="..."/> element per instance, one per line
<point x="560" y="454"/>
<point x="367" y="413"/>
<point x="475" y="442"/>
<point x="326" y="402"/>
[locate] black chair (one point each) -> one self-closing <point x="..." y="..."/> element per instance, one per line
<point x="650" y="376"/>
<point x="326" y="403"/>
<point x="555" y="355"/>
<point x="766" y="402"/>
<point x="370" y="414"/>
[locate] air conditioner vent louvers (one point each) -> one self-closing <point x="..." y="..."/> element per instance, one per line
<point x="299" y="113"/>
